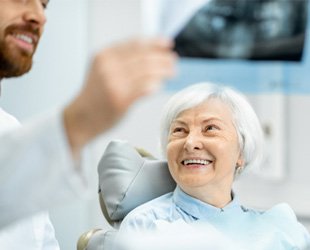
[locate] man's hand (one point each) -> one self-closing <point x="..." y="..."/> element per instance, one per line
<point x="117" y="77"/>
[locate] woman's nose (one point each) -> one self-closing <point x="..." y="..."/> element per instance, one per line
<point x="35" y="13"/>
<point x="193" y="142"/>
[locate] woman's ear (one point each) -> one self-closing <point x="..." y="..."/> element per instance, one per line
<point x="240" y="161"/>
<point x="239" y="166"/>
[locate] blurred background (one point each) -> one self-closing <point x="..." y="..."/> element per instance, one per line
<point x="279" y="92"/>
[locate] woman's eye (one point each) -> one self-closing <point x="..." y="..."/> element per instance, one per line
<point x="178" y="130"/>
<point x="211" y="127"/>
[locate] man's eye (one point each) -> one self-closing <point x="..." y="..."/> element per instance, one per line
<point x="44" y="3"/>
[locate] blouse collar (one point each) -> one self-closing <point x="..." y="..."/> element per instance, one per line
<point x="200" y="209"/>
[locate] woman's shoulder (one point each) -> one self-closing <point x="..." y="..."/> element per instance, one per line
<point x="277" y="214"/>
<point x="145" y="214"/>
<point x="282" y="219"/>
<point x="279" y="211"/>
<point x="280" y="214"/>
<point x="160" y="203"/>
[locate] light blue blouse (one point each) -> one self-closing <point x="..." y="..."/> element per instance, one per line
<point x="274" y="229"/>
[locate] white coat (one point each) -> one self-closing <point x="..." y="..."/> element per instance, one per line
<point x="37" y="171"/>
<point x="32" y="233"/>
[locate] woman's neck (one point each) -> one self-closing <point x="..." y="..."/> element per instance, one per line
<point x="214" y="196"/>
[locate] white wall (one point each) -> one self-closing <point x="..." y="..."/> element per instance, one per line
<point x="294" y="187"/>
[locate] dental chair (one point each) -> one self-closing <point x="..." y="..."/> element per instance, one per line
<point x="128" y="177"/>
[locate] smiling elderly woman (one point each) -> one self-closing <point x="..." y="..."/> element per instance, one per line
<point x="209" y="135"/>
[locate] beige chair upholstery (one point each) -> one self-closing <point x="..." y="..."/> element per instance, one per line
<point x="128" y="177"/>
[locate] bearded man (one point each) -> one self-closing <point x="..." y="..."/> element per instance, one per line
<point x="39" y="162"/>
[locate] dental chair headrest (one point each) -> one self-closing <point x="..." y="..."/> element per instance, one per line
<point x="128" y="179"/>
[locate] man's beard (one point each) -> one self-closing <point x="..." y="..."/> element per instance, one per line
<point x="13" y="62"/>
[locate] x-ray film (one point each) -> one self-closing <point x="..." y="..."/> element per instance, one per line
<point x="235" y="29"/>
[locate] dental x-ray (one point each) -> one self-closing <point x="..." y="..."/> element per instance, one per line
<point x="240" y="29"/>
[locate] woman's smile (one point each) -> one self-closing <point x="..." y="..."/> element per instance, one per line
<point x="203" y="148"/>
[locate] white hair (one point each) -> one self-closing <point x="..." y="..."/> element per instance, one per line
<point x="245" y="120"/>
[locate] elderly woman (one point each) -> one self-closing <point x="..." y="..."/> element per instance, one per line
<point x="209" y="135"/>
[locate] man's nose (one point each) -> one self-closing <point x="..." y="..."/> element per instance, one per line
<point x="35" y="13"/>
<point x="194" y="141"/>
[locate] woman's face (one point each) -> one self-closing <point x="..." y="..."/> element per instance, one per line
<point x="203" y="148"/>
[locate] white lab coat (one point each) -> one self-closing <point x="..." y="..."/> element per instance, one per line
<point x="36" y="173"/>
<point x="32" y="233"/>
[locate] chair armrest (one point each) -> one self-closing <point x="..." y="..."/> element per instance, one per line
<point x="85" y="238"/>
<point x="97" y="239"/>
